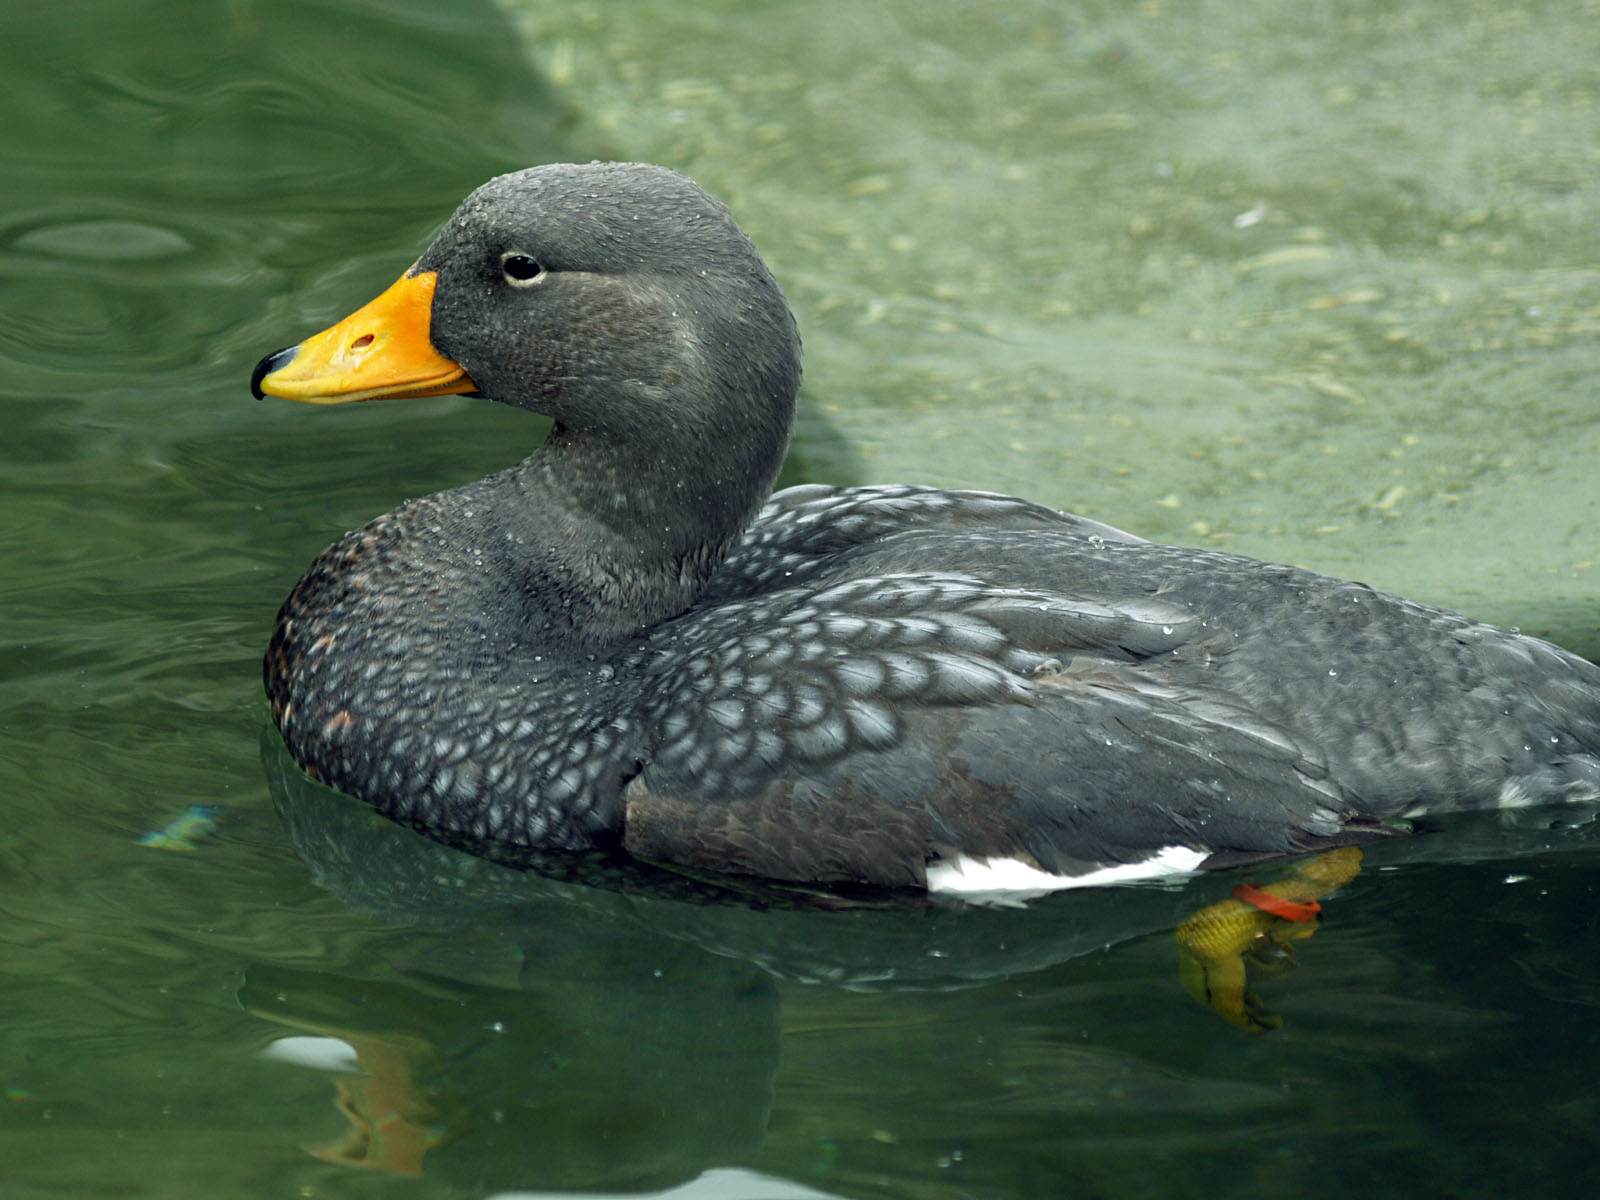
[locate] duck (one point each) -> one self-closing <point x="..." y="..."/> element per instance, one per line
<point x="626" y="644"/>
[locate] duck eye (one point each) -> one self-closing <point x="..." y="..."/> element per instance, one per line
<point x="520" y="269"/>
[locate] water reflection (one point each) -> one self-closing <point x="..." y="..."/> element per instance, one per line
<point x="606" y="1068"/>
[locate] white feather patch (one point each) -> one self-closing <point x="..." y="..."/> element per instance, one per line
<point x="1010" y="878"/>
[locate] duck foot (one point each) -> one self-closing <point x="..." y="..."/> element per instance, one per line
<point x="1251" y="935"/>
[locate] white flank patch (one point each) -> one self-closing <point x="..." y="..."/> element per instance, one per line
<point x="1514" y="795"/>
<point x="1009" y="879"/>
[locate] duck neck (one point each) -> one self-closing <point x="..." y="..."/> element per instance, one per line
<point x="613" y="539"/>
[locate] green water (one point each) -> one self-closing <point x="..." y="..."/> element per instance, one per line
<point x="1315" y="283"/>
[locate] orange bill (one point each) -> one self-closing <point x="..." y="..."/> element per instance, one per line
<point x="380" y="352"/>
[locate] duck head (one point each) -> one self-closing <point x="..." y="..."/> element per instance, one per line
<point x="594" y="293"/>
<point x="621" y="300"/>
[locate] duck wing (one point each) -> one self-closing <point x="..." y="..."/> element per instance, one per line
<point x="1068" y="698"/>
<point x="876" y="725"/>
<point x="801" y="532"/>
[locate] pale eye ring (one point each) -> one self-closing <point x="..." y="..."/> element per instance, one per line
<point x="521" y="270"/>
